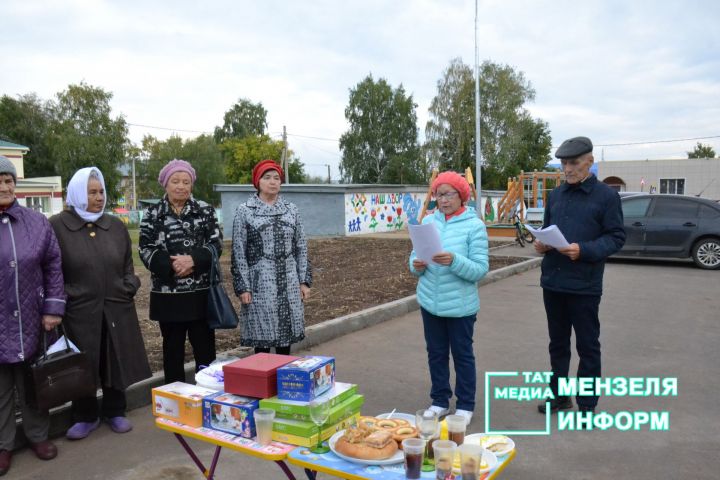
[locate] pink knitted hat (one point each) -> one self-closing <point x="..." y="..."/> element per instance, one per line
<point x="456" y="181"/>
<point x="174" y="166"/>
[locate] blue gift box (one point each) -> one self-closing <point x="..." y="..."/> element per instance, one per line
<point x="306" y="378"/>
<point x="230" y="413"/>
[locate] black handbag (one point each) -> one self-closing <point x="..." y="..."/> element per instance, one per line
<point x="220" y="311"/>
<point x="55" y="379"/>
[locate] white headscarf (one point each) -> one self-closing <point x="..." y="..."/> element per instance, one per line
<point x="77" y="193"/>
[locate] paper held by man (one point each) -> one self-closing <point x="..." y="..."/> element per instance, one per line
<point x="550" y="236"/>
<point x="426" y="241"/>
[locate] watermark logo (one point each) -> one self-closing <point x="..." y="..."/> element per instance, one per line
<point x="535" y="387"/>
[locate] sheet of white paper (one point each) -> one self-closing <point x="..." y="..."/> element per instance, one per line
<point x="60" y="345"/>
<point x="550" y="236"/>
<point x="426" y="241"/>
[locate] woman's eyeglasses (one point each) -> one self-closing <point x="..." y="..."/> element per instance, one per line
<point x="447" y="195"/>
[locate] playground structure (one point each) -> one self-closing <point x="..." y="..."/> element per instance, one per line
<point x="525" y="194"/>
<point x="526" y="191"/>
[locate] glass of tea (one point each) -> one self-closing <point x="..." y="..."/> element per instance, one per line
<point x="456" y="428"/>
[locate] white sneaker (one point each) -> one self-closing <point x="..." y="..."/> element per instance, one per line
<point x="466" y="414"/>
<point x="441" y="412"/>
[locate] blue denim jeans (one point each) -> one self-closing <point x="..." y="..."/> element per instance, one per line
<point x="442" y="336"/>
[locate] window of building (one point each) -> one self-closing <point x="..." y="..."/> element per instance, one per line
<point x="672" y="186"/>
<point x="39" y="204"/>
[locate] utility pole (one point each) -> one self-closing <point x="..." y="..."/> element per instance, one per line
<point x="328" y="165"/>
<point x="134" y="191"/>
<point x="284" y="157"/>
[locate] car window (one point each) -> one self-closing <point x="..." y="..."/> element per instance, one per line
<point x="635" y="207"/>
<point x="709" y="212"/>
<point x="675" y="208"/>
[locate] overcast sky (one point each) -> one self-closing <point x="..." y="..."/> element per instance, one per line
<point x="616" y="71"/>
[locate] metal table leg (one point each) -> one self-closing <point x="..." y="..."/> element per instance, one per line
<point x="209" y="473"/>
<point x="206" y="473"/>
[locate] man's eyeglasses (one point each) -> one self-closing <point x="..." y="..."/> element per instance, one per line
<point x="447" y="195"/>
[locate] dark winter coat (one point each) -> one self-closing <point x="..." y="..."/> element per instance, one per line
<point x="589" y="214"/>
<point x="270" y="260"/>
<point x="100" y="284"/>
<point x="31" y="281"/>
<point x="163" y="234"/>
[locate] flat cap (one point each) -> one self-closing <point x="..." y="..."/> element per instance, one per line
<point x="574" y="147"/>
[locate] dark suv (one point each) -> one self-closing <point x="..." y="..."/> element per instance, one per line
<point x="672" y="226"/>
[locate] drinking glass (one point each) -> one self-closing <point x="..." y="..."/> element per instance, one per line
<point x="319" y="412"/>
<point x="426" y="421"/>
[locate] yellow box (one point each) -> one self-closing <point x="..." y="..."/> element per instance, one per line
<point x="313" y="440"/>
<point x="180" y="402"/>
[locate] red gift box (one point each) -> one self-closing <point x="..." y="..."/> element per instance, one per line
<point x="256" y="375"/>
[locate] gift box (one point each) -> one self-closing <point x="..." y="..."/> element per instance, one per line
<point x="301" y="410"/>
<point x="230" y="413"/>
<point x="308" y="438"/>
<point x="180" y="402"/>
<point x="306" y="378"/>
<point x="256" y="375"/>
<point x="342" y="410"/>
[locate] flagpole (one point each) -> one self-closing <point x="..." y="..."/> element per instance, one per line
<point x="478" y="152"/>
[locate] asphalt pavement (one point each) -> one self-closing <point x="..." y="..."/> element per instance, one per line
<point x="657" y="320"/>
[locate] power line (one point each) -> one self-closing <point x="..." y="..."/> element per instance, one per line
<point x="319" y="149"/>
<point x="314" y="138"/>
<point x="168" y="128"/>
<point x="656" y="141"/>
<point x="648" y="142"/>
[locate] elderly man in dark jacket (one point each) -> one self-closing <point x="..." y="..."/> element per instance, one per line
<point x="589" y="214"/>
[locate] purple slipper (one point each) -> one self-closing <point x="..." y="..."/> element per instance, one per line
<point x="81" y="430"/>
<point x="120" y="424"/>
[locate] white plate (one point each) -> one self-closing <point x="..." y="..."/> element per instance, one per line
<point x="487" y="456"/>
<point x="397" y="458"/>
<point x="477" y="439"/>
<point x="403" y="416"/>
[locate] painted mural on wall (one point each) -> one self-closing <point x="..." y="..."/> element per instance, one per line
<point x="381" y="212"/>
<point x="389" y="212"/>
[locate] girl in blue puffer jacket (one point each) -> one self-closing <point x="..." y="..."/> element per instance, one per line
<point x="448" y="294"/>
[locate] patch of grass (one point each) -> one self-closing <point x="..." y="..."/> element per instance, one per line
<point x="134" y="236"/>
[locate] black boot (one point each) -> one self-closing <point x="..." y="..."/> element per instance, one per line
<point x="559" y="403"/>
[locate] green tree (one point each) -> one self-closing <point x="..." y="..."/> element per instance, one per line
<point x="381" y="145"/>
<point x="511" y="140"/>
<point x="26" y="121"/>
<point x="203" y="154"/>
<point x="243" y="119"/>
<point x="702" y="151"/>
<point x="82" y="133"/>
<point x="243" y="154"/>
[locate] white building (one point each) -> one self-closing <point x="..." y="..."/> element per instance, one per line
<point x="689" y="176"/>
<point x="43" y="194"/>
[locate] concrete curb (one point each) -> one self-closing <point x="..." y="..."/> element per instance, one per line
<point x="323" y="332"/>
<point x="139" y="395"/>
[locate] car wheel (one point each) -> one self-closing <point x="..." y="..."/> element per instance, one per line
<point x="706" y="253"/>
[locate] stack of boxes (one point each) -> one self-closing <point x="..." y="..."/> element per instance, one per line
<point x="282" y="383"/>
<point x="180" y="402"/>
